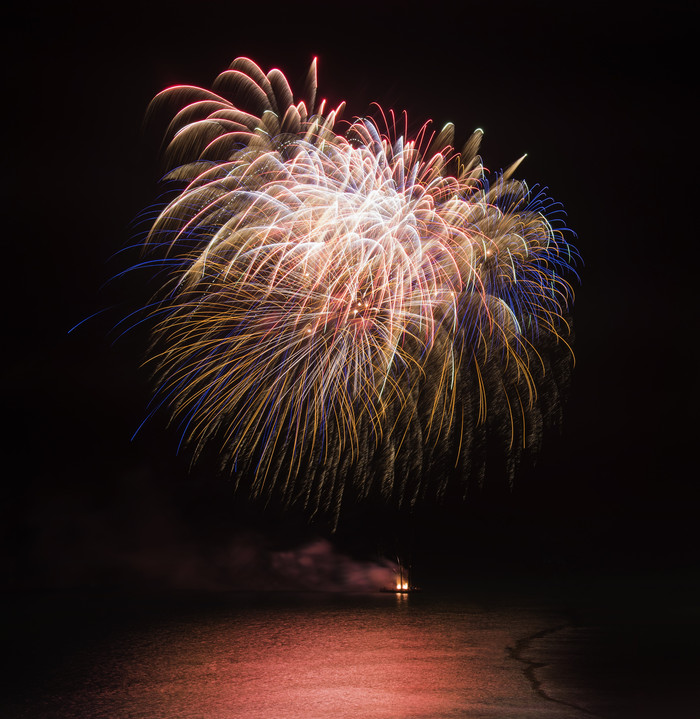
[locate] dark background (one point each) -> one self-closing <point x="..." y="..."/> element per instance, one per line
<point x="599" y="96"/>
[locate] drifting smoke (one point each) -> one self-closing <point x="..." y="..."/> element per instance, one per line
<point x="246" y="562"/>
<point x="350" y="314"/>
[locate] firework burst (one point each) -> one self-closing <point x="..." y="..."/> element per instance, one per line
<point x="349" y="311"/>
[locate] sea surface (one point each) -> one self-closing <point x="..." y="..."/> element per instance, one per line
<point x="472" y="653"/>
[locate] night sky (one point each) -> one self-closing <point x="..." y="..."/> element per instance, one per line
<point x="600" y="99"/>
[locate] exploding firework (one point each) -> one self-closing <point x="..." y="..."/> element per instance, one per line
<point x="355" y="312"/>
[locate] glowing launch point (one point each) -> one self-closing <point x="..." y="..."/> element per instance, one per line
<point x="402" y="584"/>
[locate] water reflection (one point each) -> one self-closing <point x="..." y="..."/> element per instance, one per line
<point x="392" y="656"/>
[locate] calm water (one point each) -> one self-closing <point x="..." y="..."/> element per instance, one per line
<point x="317" y="656"/>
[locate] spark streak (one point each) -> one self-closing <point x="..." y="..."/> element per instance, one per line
<point x="349" y="311"/>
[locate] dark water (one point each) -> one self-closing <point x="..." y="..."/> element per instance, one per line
<point x="317" y="656"/>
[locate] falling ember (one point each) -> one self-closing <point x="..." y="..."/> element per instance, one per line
<point x="348" y="313"/>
